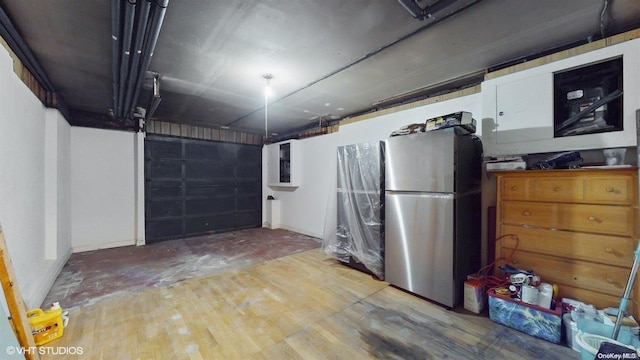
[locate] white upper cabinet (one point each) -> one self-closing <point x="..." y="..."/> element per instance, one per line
<point x="518" y="108"/>
<point x="284" y="164"/>
<point x="523" y="114"/>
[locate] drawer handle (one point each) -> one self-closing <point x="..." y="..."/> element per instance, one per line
<point x="526" y="213"/>
<point x="612" y="190"/>
<point x="609" y="250"/>
<point x="609" y="189"/>
<point x="557" y="188"/>
<point x="514" y="188"/>
<point x="610" y="281"/>
<point x="593" y="218"/>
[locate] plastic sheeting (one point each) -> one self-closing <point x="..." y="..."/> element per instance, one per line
<point x="360" y="203"/>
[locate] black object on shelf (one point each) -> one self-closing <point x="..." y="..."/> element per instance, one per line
<point x="588" y="99"/>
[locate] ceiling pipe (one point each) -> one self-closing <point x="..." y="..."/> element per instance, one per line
<point x="129" y="15"/>
<point x="140" y="30"/>
<point x="115" y="51"/>
<point x="17" y="44"/>
<point x="157" y="17"/>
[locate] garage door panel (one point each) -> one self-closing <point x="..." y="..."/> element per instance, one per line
<point x="222" y="152"/>
<point x="247" y="202"/>
<point x="197" y="187"/>
<point x="250" y="171"/>
<point x="164" y="209"/>
<point x="209" y="189"/>
<point x="210" y="206"/>
<point x="245" y="219"/>
<point x="253" y="189"/>
<point x="207" y="224"/>
<point x="164" y="189"/>
<point x="164" y="229"/>
<point x="249" y="155"/>
<point x="208" y="170"/>
<point x="169" y="149"/>
<point x="165" y="169"/>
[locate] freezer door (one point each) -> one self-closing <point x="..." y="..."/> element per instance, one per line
<point x="421" y="162"/>
<point x="419" y="243"/>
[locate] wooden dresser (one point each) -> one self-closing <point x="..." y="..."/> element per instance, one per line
<point x="575" y="228"/>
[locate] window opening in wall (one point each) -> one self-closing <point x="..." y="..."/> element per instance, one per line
<point x="285" y="163"/>
<point x="588" y="99"/>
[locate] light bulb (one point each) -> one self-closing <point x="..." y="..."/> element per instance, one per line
<point x="267" y="88"/>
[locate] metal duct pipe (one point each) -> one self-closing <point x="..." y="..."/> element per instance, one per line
<point x="159" y="9"/>
<point x="11" y="35"/>
<point x="155" y="99"/>
<point x="413" y="8"/>
<point x="129" y="11"/>
<point x="115" y="52"/>
<point x="141" y="29"/>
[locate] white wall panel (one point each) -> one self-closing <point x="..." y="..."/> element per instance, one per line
<point x="103" y="188"/>
<point x="27" y="196"/>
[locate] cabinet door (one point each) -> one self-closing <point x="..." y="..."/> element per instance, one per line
<point x="524" y="109"/>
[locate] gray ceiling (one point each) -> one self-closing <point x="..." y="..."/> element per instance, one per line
<point x="329" y="58"/>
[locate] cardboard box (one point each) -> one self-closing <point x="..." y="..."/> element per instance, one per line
<point x="474" y="295"/>
<point x="531" y="319"/>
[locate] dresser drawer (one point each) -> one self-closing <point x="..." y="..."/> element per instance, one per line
<point x="557" y="189"/>
<point x="597" y="277"/>
<point x="604" y="249"/>
<point x="529" y="213"/>
<point x="601" y="219"/>
<point x="514" y="189"/>
<point x="601" y="189"/>
<point x="610" y="190"/>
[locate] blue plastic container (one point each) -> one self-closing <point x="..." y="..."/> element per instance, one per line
<point x="598" y="328"/>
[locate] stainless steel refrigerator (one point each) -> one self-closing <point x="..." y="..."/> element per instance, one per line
<point x="359" y="240"/>
<point x="432" y="212"/>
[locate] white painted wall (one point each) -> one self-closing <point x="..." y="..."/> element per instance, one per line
<point x="303" y="209"/>
<point x="33" y="210"/>
<point x="379" y="128"/>
<point x="311" y="208"/>
<point x="64" y="189"/>
<point x="103" y="183"/>
<point x="316" y="175"/>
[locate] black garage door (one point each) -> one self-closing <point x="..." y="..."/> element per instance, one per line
<point x="195" y="187"/>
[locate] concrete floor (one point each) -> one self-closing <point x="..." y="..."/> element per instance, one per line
<point x="92" y="276"/>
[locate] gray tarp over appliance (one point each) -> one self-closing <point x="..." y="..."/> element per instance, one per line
<point x="360" y="205"/>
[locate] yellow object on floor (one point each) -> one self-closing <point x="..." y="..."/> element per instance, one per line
<point x="46" y="326"/>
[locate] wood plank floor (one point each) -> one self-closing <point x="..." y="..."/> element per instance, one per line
<point x="93" y="276"/>
<point x="301" y="306"/>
